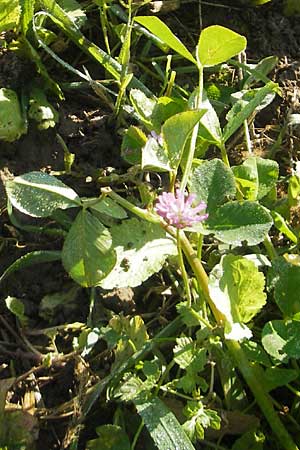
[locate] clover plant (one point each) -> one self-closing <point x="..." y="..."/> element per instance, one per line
<point x="115" y="241"/>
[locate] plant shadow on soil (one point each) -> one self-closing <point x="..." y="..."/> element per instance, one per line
<point x="87" y="132"/>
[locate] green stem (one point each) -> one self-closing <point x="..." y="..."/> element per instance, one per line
<point x="183" y="270"/>
<point x="189" y="162"/>
<point x="270" y="248"/>
<point x="224" y="155"/>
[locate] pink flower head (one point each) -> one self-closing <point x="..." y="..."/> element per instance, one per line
<point x="177" y="209"/>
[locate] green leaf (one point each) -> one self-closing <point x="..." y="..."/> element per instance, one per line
<point x="261" y="70"/>
<point x="73" y="9"/>
<point x="165" y="108"/>
<point x="256" y="353"/>
<point x="16" y="307"/>
<point x="141" y="249"/>
<point x="236" y="120"/>
<point x="163" y="426"/>
<point x="12" y="123"/>
<point x="250" y="441"/>
<point x="39" y="194"/>
<point x="199" y="419"/>
<point x="31" y="258"/>
<point x="284" y="278"/>
<point x="188" y="356"/>
<point x="217" y="44"/>
<point x="176" y="131"/>
<point x="275" y="377"/>
<point x="109" y="207"/>
<point x="88" y="255"/>
<point x="282" y="226"/>
<point x="261" y="173"/>
<point x="236" y="222"/>
<point x="111" y="437"/>
<point x="237" y="290"/>
<point x="155" y="157"/>
<point x="9" y="14"/>
<point x="163" y="32"/>
<point x="212" y="182"/>
<point x="133" y="141"/>
<point x="132" y="337"/>
<point x="281" y="339"/>
<point x="143" y="105"/>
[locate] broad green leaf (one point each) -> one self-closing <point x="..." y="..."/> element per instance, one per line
<point x="281" y="339"/>
<point x="141" y="249"/>
<point x="9" y="14"/>
<point x="236" y="222"/>
<point x="165" y="108"/>
<point x="111" y="437"/>
<point x="275" y="377"/>
<point x="143" y="105"/>
<point x="217" y="44"/>
<point x="27" y="10"/>
<point x="88" y="255"/>
<point x="237" y="290"/>
<point x="31" y="258"/>
<point x="39" y="194"/>
<point x="133" y="141"/>
<point x="237" y="120"/>
<point x="163" y="32"/>
<point x="176" y="131"/>
<point x="109" y="207"/>
<point x="212" y="182"/>
<point x="256" y="353"/>
<point x="284" y="278"/>
<point x="261" y="175"/>
<point x="164" y="428"/>
<point x="155" y="157"/>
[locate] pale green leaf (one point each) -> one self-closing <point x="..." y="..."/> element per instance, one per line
<point x="163" y="32"/>
<point x="12" y="123"/>
<point x="110" y="208"/>
<point x="39" y="194"/>
<point x="141" y="249"/>
<point x="16" y="307"/>
<point x="217" y="44"/>
<point x="143" y="105"/>
<point x="176" y="131"/>
<point x="236" y="222"/>
<point x="237" y="290"/>
<point x="9" y="14"/>
<point x="163" y="426"/>
<point x="88" y="255"/>
<point x="155" y="157"/>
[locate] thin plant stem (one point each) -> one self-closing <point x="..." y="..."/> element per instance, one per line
<point x="189" y="162"/>
<point x="200" y="246"/>
<point x="137" y="435"/>
<point x="183" y="271"/>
